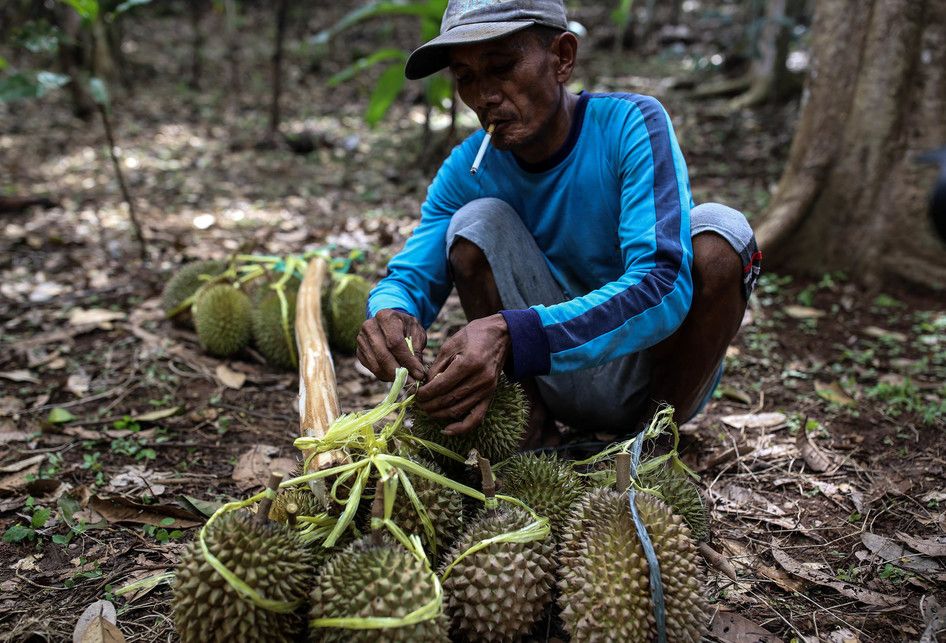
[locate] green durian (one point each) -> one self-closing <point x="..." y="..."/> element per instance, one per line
<point x="185" y="283"/>
<point x="682" y="495"/>
<point x="222" y="319"/>
<point x="546" y="483"/>
<point x="269" y="335"/>
<point x="370" y="580"/>
<point x="499" y="592"/>
<point x="500" y="433"/>
<point x="444" y="507"/>
<point x="605" y="587"/>
<point x="347" y="310"/>
<point x="269" y="558"/>
<point x="306" y="504"/>
<point x="678" y="491"/>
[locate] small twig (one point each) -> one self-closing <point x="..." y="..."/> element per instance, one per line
<point x="292" y="510"/>
<point x="135" y="224"/>
<point x="377" y="511"/>
<point x="489" y="481"/>
<point x="622" y="465"/>
<point x="262" y="516"/>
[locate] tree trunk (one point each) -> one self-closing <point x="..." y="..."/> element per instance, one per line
<point x="769" y="77"/>
<point x="852" y="197"/>
<point x="282" y="10"/>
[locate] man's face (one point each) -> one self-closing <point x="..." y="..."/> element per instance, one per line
<point x="514" y="83"/>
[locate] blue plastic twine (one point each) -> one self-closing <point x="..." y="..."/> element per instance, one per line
<point x="656" y="583"/>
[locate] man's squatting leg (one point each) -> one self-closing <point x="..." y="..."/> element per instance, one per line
<point x="685" y="364"/>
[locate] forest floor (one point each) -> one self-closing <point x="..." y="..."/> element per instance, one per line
<point x="822" y="458"/>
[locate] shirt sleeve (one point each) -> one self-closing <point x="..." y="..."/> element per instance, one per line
<point x="418" y="282"/>
<point x="650" y="300"/>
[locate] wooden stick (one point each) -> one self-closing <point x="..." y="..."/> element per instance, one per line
<point x="377" y="511"/>
<point x="318" y="396"/>
<point x="488" y="480"/>
<point x="262" y="514"/>
<point x="622" y="467"/>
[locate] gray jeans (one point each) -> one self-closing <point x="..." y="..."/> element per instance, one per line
<point x="610" y="397"/>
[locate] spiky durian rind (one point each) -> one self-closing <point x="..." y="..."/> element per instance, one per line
<point x="269" y="558"/>
<point x="366" y="580"/>
<point x="549" y="485"/>
<point x="600" y="551"/>
<point x="185" y="283"/>
<point x="269" y="336"/>
<point x="222" y="319"/>
<point x="496" y="438"/>
<point x="347" y="310"/>
<point x="499" y="592"/>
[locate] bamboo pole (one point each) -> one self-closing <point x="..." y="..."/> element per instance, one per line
<point x="318" y="396"/>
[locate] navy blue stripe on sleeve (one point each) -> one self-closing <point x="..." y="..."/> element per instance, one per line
<point x="530" y="346"/>
<point x="659" y="282"/>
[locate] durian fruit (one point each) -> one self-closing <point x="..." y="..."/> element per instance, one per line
<point x="546" y="483"/>
<point x="498" y="436"/>
<point x="267" y="323"/>
<point x="269" y="558"/>
<point x="605" y="587"/>
<point x="499" y="592"/>
<point x="444" y="507"/>
<point x="185" y="283"/>
<point x="305" y="503"/>
<point x="347" y="310"/>
<point x="683" y="496"/>
<point x="222" y="319"/>
<point x="679" y="492"/>
<point x="374" y="580"/>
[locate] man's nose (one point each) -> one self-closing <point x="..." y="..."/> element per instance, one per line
<point x="489" y="95"/>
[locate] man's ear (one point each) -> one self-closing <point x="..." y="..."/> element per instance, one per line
<point x="565" y="48"/>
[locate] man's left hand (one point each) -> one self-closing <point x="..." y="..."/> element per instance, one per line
<point x="461" y="381"/>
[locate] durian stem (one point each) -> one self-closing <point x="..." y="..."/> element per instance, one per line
<point x="292" y="510"/>
<point x="622" y="467"/>
<point x="489" y="482"/>
<point x="318" y="397"/>
<point x="262" y="514"/>
<point x="377" y="513"/>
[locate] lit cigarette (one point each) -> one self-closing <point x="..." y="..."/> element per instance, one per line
<point x="483" y="146"/>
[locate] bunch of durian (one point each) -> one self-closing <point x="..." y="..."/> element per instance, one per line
<point x="539" y="539"/>
<point x="232" y="308"/>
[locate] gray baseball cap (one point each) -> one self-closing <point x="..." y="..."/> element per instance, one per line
<point x="470" y="21"/>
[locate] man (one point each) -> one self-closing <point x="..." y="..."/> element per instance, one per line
<point x="577" y="260"/>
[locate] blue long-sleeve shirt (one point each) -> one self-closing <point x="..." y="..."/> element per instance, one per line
<point x="610" y="211"/>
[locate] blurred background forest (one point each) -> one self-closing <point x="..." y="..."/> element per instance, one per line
<point x="136" y="136"/>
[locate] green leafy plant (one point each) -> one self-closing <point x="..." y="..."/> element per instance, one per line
<point x="438" y="90"/>
<point x="38" y="517"/>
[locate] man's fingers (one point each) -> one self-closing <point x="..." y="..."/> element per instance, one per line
<point x="442" y="381"/>
<point x="473" y="420"/>
<point x="377" y="358"/>
<point x="458" y="407"/>
<point x="396" y="343"/>
<point x="471" y="389"/>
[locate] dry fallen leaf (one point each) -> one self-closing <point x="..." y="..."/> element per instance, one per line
<point x="78" y="383"/>
<point x="803" y="312"/>
<point x="890" y="552"/>
<point x="98" y="316"/>
<point x="755" y="420"/>
<point x="816" y="459"/>
<point x="254" y="466"/>
<point x="159" y="414"/>
<point x="935" y="546"/>
<point x="730" y="627"/>
<point x="20" y="375"/>
<point x="10" y="406"/>
<point x="818" y="577"/>
<point x="881" y="333"/>
<point x="230" y="378"/>
<point x="834" y="393"/>
<point x="123" y="510"/>
<point x="98" y="628"/>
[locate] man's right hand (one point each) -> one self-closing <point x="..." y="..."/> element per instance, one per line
<point x="382" y="347"/>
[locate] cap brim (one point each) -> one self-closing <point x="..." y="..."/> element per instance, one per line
<point x="433" y="56"/>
